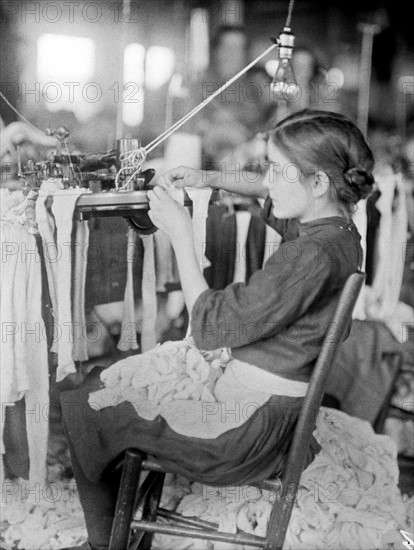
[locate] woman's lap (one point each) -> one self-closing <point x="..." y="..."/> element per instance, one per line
<point x="249" y="453"/>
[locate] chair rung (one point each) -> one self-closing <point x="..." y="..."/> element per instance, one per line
<point x="146" y="486"/>
<point x="194" y="522"/>
<point x="153" y="466"/>
<point x="238" y="538"/>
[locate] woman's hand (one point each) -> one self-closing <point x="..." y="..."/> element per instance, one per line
<point x="172" y="219"/>
<point x="14" y="135"/>
<point x="20" y="133"/>
<point x="182" y="176"/>
<point x="169" y="216"/>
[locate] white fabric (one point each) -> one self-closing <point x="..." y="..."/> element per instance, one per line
<point x="188" y="388"/>
<point x="164" y="260"/>
<point x="155" y="380"/>
<point x="243" y="218"/>
<point x="232" y="405"/>
<point x="80" y="343"/>
<point x="175" y="304"/>
<point x="128" y="337"/>
<point x="35" y="517"/>
<point x="398" y="322"/>
<point x="31" y="225"/>
<point x="24" y="362"/>
<point x="260" y="380"/>
<point x="201" y="200"/>
<point x="46" y="225"/>
<point x="392" y="237"/>
<point x="63" y="206"/>
<point x="13" y="206"/>
<point x="149" y="295"/>
<point x="360" y="219"/>
<point x="382" y="302"/>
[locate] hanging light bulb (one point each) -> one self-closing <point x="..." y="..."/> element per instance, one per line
<point x="284" y="86"/>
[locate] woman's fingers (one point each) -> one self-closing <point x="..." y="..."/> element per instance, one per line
<point x="166" y="214"/>
<point x="161" y="205"/>
<point x="152" y="217"/>
<point x="160" y="192"/>
<point x="21" y="132"/>
<point x="158" y="196"/>
<point x="182" y="176"/>
<point x="169" y="178"/>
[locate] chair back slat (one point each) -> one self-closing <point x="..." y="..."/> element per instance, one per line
<point x="310" y="409"/>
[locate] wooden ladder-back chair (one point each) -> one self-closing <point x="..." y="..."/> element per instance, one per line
<point x="148" y="495"/>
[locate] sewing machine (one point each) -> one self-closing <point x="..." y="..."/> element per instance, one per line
<point x="118" y="188"/>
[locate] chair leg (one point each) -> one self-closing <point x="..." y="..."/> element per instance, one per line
<point x="149" y="512"/>
<point x="280" y="517"/>
<point x="124" y="510"/>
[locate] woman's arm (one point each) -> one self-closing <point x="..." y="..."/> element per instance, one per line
<point x="192" y="281"/>
<point x="242" y="182"/>
<point x="172" y="219"/>
<point x="232" y="179"/>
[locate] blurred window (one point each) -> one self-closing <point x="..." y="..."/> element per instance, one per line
<point x="133" y="89"/>
<point x="65" y="71"/>
<point x="159" y="67"/>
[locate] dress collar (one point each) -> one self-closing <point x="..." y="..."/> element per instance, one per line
<point x="337" y="221"/>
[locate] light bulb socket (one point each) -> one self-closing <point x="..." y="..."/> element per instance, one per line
<point x="286" y="41"/>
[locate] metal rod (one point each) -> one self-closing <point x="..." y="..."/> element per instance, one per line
<point x="154" y="143"/>
<point x="149" y="512"/>
<point x="195" y="522"/>
<point x="248" y="540"/>
<point x="145" y="487"/>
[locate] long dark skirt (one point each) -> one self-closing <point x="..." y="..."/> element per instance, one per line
<point x="249" y="453"/>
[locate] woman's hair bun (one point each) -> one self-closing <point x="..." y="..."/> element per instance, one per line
<point x="360" y="181"/>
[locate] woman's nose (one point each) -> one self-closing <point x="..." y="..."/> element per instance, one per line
<point x="266" y="180"/>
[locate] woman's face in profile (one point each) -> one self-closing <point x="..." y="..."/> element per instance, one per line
<point x="290" y="197"/>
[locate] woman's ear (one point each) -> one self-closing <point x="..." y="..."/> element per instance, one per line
<point x="320" y="184"/>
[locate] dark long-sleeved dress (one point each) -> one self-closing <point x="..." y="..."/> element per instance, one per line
<point x="277" y="323"/>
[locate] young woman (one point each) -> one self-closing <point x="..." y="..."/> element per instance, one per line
<point x="319" y="167"/>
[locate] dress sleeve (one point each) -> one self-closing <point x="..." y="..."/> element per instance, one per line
<point x="293" y="279"/>
<point x="287" y="229"/>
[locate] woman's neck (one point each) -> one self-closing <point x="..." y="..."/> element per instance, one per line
<point x="326" y="212"/>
